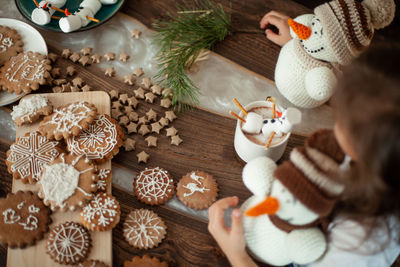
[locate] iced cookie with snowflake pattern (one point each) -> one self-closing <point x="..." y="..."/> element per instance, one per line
<point x="24" y="219"/>
<point x="68" y="182"/>
<point x="25" y="72"/>
<point x="30" y="109"/>
<point x="101" y="141"/>
<point x="28" y="156"/>
<point x="145" y="261"/>
<point x="154" y="186"/>
<point x="144" y="229"/>
<point x="197" y="190"/>
<point x="68" y="120"/>
<point x="68" y="243"/>
<point x="102" y="213"/>
<point x="10" y="43"/>
<point x="104" y="181"/>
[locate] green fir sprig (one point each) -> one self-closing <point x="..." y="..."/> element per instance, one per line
<point x="185" y="36"/>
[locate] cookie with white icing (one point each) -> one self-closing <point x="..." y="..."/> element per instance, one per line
<point x="68" y="243"/>
<point x="154" y="186"/>
<point x="68" y="120"/>
<point x="29" y="154"/>
<point x="30" y="109"/>
<point x="68" y="182"/>
<point x="25" y="72"/>
<point x="144" y="229"/>
<point x="24" y="219"/>
<point x="102" y="213"/>
<point x="104" y="181"/>
<point x="100" y="141"/>
<point x="10" y="43"/>
<point x="197" y="190"/>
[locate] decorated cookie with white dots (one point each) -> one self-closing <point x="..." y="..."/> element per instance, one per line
<point x="154" y="186"/>
<point x="104" y="180"/>
<point x="10" y="43"/>
<point x="24" y="219"/>
<point x="68" y="182"/>
<point x="144" y="229"/>
<point x="68" y="243"/>
<point x="102" y="213"/>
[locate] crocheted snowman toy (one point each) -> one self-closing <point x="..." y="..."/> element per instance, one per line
<point x="290" y="202"/>
<point x="336" y="33"/>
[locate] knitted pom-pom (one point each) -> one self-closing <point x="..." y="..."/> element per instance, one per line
<point x="382" y="12"/>
<point x="302" y="31"/>
<point x="258" y="176"/>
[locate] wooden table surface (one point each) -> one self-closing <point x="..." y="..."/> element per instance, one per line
<point x="208" y="139"/>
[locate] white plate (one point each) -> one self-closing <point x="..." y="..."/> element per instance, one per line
<point x="33" y="41"/>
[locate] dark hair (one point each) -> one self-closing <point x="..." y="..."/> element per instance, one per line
<point x="367" y="108"/>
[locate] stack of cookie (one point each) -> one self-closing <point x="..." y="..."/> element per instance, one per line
<point x="66" y="179"/>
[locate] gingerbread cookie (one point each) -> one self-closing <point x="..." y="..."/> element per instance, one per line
<point x="104" y="180"/>
<point x="101" y="141"/>
<point x="145" y="261"/>
<point x="28" y="156"/>
<point x="30" y="109"/>
<point x="10" y="44"/>
<point x="68" y="120"/>
<point x="144" y="229"/>
<point x="24" y="219"/>
<point x="68" y="182"/>
<point x="92" y="263"/>
<point x="102" y="213"/>
<point x="68" y="243"/>
<point x="197" y="190"/>
<point x="154" y="186"/>
<point x="25" y="72"/>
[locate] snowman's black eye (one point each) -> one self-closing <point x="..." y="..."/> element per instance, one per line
<point x="272" y="121"/>
<point x="313" y="23"/>
<point x="266" y="121"/>
<point x="315" y="32"/>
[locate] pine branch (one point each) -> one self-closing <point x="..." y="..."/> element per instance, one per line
<point x="181" y="40"/>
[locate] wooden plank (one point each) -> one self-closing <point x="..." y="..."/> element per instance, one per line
<point x="101" y="241"/>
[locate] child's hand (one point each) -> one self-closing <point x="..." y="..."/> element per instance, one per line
<point x="231" y="240"/>
<point x="280" y="21"/>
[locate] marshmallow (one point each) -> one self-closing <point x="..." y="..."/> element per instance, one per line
<point x="253" y="124"/>
<point x="284" y="124"/>
<point x="70" y="23"/>
<point x="292" y="117"/>
<point x="83" y="13"/>
<point x="93" y="5"/>
<point x="41" y="16"/>
<point x="108" y="2"/>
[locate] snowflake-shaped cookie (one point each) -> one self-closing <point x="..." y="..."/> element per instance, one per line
<point x="143" y="229"/>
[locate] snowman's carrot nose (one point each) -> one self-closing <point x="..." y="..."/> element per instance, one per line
<point x="269" y="206"/>
<point x="302" y="31"/>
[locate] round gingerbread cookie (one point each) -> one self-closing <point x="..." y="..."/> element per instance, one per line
<point x="28" y="156"/>
<point x="154" y="186"/>
<point x="10" y="43"/>
<point x="102" y="213"/>
<point x="92" y="263"/>
<point x="68" y="182"/>
<point x="197" y="190"/>
<point x="145" y="261"/>
<point x="25" y="72"/>
<point x="101" y="141"/>
<point x="24" y="219"/>
<point x="68" y="243"/>
<point x="144" y="229"/>
<point x="104" y="180"/>
<point x="68" y="120"/>
<point x="30" y="109"/>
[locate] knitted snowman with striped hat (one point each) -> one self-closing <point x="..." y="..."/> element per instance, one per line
<point x="336" y="33"/>
<point x="290" y="203"/>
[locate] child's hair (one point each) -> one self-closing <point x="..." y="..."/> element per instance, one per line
<point x="367" y="109"/>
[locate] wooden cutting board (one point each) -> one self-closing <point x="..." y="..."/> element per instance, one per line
<point x="35" y="256"/>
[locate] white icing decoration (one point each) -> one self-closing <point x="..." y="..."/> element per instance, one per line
<point x="143" y="228"/>
<point x="10" y="216"/>
<point x="5" y="43"/>
<point x="31" y="223"/>
<point x="154" y="184"/>
<point x="20" y="205"/>
<point x="28" y="107"/>
<point x="95" y="142"/>
<point x="101" y="207"/>
<point x="194" y="187"/>
<point x="33" y="209"/>
<point x="68" y="117"/>
<point x="31" y="68"/>
<point x="30" y="154"/>
<point x="102" y="182"/>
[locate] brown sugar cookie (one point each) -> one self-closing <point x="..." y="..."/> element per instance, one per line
<point x="68" y="243"/>
<point x="102" y="213"/>
<point x="197" y="190"/>
<point x="68" y="182"/>
<point x="92" y="263"/>
<point x="25" y="72"/>
<point x="145" y="261"/>
<point x="30" y="109"/>
<point x="101" y="141"/>
<point x="104" y="180"/>
<point x="154" y="186"/>
<point x="24" y="219"/>
<point x="10" y="43"/>
<point x="28" y="156"/>
<point x="144" y="229"/>
<point x="67" y="120"/>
